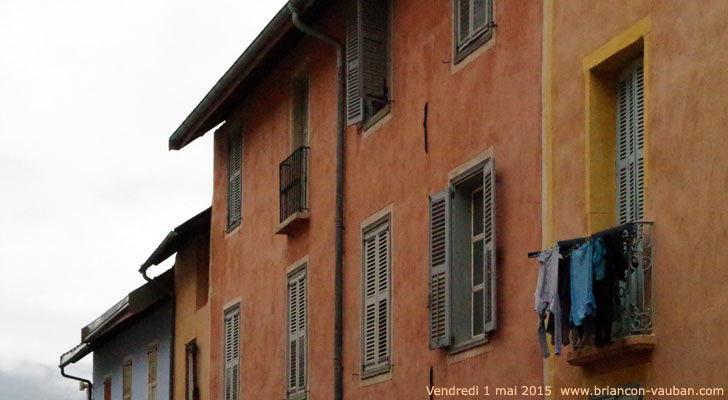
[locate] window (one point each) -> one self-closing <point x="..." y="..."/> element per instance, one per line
<point x="300" y="113"/>
<point x="473" y="25"/>
<point x="630" y="142"/>
<point x="191" y="391"/>
<point x="235" y="179"/>
<point x="126" y="380"/>
<point x="107" y="388"/>
<point x="232" y="353"/>
<point x="377" y="294"/>
<point x="297" y="321"/>
<point x="152" y="373"/>
<point x="367" y="60"/>
<point x="462" y="260"/>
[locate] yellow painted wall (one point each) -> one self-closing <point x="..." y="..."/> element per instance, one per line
<point x="192" y="312"/>
<point x="685" y="45"/>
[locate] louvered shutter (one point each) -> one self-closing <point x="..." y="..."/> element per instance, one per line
<point x="630" y="145"/>
<point x="354" y="103"/>
<point x="440" y="269"/>
<point x="152" y="373"/>
<point x="126" y="380"/>
<point x="297" y="333"/>
<point x="235" y="177"/>
<point x="373" y="35"/>
<point x="232" y="354"/>
<point x="376" y="299"/>
<point x="489" y="253"/>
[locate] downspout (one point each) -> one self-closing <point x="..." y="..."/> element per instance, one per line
<point x="89" y="385"/>
<point x="339" y="217"/>
<point x="172" y="349"/>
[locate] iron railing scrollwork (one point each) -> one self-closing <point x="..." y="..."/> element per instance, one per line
<point x="294" y="183"/>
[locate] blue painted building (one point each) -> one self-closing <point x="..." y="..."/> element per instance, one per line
<point x="131" y="345"/>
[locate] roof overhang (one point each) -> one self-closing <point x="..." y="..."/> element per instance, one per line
<point x="175" y="239"/>
<point x="265" y="50"/>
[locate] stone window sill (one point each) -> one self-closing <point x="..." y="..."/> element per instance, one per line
<point x="626" y="347"/>
<point x="292" y="223"/>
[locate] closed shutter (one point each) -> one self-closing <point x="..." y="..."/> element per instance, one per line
<point x="373" y="35"/>
<point x="630" y="144"/>
<point x="191" y="392"/>
<point x="107" y="389"/>
<point x="152" y="373"/>
<point x="440" y="269"/>
<point x="297" y="320"/>
<point x="376" y="299"/>
<point x="354" y="103"/>
<point x="489" y="230"/>
<point x="235" y="177"/>
<point x="126" y="380"/>
<point x="232" y="354"/>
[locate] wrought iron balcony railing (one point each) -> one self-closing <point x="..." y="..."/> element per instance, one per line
<point x="294" y="183"/>
<point x="634" y="316"/>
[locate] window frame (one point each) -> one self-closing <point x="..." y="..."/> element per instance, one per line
<point x="191" y="389"/>
<point x="476" y="40"/>
<point x="124" y="394"/>
<point x="300" y="272"/>
<point x="152" y="385"/>
<point x="231" y="310"/>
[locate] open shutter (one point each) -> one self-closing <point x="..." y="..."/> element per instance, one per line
<point x="297" y="333"/>
<point x="232" y="354"/>
<point x="373" y="34"/>
<point x="630" y="145"/>
<point x="489" y="229"/>
<point x="383" y="297"/>
<point x="354" y="103"/>
<point x="126" y="381"/>
<point x="639" y="139"/>
<point x="376" y="299"/>
<point x="440" y="269"/>
<point x="235" y="178"/>
<point x="152" y="373"/>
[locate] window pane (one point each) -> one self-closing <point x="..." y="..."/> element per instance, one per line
<point x="478" y="312"/>
<point x="477" y="207"/>
<point x="477" y="263"/>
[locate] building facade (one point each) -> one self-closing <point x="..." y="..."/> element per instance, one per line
<point x="442" y="200"/>
<point x="634" y="132"/>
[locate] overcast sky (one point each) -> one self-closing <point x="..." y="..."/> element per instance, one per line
<point x="90" y="91"/>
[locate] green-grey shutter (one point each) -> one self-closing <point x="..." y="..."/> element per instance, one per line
<point x="232" y="354"/>
<point x="235" y="177"/>
<point x="489" y="230"/>
<point x="481" y="15"/>
<point x="463" y="21"/>
<point x="373" y="35"/>
<point x="440" y="269"/>
<point x="375" y="335"/>
<point x="297" y="333"/>
<point x="630" y="144"/>
<point x="354" y="103"/>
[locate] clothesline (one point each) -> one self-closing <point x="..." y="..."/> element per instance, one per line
<point x="571" y="242"/>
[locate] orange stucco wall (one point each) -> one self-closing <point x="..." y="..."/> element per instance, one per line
<point x="686" y="86"/>
<point x="192" y="313"/>
<point x="489" y="102"/>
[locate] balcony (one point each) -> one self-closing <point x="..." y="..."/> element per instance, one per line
<point x="293" y="191"/>
<point x="632" y="323"/>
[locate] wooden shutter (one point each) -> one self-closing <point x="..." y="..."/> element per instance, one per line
<point x="126" y="380"/>
<point x="191" y="391"/>
<point x="107" y="389"/>
<point x="376" y="299"/>
<point x="354" y="103"/>
<point x="152" y="373"/>
<point x="489" y="230"/>
<point x="373" y="35"/>
<point x="235" y="177"/>
<point x="297" y="320"/>
<point x="232" y="353"/>
<point x="440" y="269"/>
<point x="630" y="144"/>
